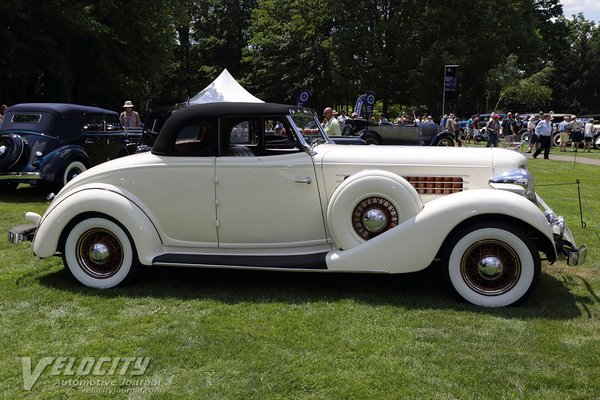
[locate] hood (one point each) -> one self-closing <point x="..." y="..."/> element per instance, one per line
<point x="474" y="165"/>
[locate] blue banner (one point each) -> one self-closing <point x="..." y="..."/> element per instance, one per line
<point x="370" y="104"/>
<point x="303" y="97"/>
<point x="450" y="78"/>
<point x="359" y="105"/>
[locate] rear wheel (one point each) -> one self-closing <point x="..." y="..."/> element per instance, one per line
<point x="72" y="170"/>
<point x="556" y="139"/>
<point x="99" y="253"/>
<point x="491" y="265"/>
<point x="371" y="138"/>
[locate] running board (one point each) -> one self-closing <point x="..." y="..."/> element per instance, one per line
<point x="305" y="261"/>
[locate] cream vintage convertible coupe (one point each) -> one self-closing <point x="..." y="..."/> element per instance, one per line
<point x="260" y="186"/>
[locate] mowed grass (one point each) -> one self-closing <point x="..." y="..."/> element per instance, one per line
<point x="214" y="334"/>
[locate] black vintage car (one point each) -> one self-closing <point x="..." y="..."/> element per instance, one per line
<point x="52" y="142"/>
<point x="408" y="134"/>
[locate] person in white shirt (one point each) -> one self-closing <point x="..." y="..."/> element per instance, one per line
<point x="342" y="120"/>
<point x="543" y="131"/>
<point x="588" y="135"/>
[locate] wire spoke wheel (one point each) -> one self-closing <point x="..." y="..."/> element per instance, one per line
<point x="99" y="253"/>
<point x="490" y="267"/>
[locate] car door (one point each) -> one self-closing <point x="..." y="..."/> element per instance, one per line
<point x="267" y="193"/>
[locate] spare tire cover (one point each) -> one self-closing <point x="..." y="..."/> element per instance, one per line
<point x="11" y="149"/>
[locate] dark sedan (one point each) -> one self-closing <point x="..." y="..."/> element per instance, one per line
<point x="52" y="143"/>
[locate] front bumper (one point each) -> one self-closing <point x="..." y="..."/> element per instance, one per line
<point x="563" y="238"/>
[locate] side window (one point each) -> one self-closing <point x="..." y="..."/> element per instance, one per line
<point x="241" y="137"/>
<point x="279" y="137"/>
<point x="195" y="140"/>
<point x="245" y="133"/>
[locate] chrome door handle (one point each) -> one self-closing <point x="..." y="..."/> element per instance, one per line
<point x="306" y="180"/>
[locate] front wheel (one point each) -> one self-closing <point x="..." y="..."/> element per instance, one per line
<point x="491" y="265"/>
<point x="99" y="253"/>
<point x="444" y="141"/>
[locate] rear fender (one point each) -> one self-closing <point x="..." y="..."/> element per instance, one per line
<point x="413" y="244"/>
<point x="88" y="201"/>
<point x="52" y="165"/>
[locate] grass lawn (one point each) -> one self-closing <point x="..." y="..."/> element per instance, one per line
<point x="212" y="334"/>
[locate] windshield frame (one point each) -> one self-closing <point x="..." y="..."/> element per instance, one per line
<point x="308" y="142"/>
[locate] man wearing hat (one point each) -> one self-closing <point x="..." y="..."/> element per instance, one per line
<point x="130" y="118"/>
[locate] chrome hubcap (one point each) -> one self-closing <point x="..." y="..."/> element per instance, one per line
<point x="490" y="267"/>
<point x="373" y="216"/>
<point x="99" y="253"/>
<point x="3" y="150"/>
<point x="375" y="220"/>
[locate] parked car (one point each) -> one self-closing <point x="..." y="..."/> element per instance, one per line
<point x="407" y="134"/>
<point x="52" y="143"/>
<point x="249" y="197"/>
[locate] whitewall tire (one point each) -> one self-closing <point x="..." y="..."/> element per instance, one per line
<point x="99" y="253"/>
<point x="491" y="265"/>
<point x="71" y="171"/>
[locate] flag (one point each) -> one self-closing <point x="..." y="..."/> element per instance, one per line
<point x="450" y="78"/>
<point x="303" y="97"/>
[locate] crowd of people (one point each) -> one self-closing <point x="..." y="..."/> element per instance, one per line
<point x="539" y="127"/>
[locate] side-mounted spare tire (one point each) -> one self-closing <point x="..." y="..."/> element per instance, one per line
<point x="11" y="149"/>
<point x="368" y="204"/>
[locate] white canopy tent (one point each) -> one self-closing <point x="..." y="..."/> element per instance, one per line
<point x="224" y="88"/>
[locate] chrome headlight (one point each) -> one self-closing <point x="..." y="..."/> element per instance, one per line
<point x="518" y="181"/>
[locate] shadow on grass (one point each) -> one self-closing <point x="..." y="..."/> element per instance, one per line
<point x="26" y="194"/>
<point x="419" y="290"/>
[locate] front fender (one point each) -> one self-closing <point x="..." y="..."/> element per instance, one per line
<point x="53" y="163"/>
<point x="413" y="244"/>
<point x="114" y="204"/>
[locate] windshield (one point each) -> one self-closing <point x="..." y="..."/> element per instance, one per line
<point x="308" y="126"/>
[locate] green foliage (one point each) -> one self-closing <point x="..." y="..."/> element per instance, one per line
<point x="102" y="52"/>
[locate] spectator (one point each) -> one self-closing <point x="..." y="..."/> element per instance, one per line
<point x="576" y="132"/>
<point x="342" y="120"/>
<point x="476" y="125"/>
<point x="533" y="139"/>
<point x="330" y="123"/>
<point x="453" y="129"/>
<point x="543" y="130"/>
<point x="3" y="108"/>
<point x="443" y="121"/>
<point x="517" y="126"/>
<point x="508" y="129"/>
<point x="588" y="135"/>
<point x="382" y="119"/>
<point x="130" y="118"/>
<point x="493" y="127"/>
<point x="564" y="130"/>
